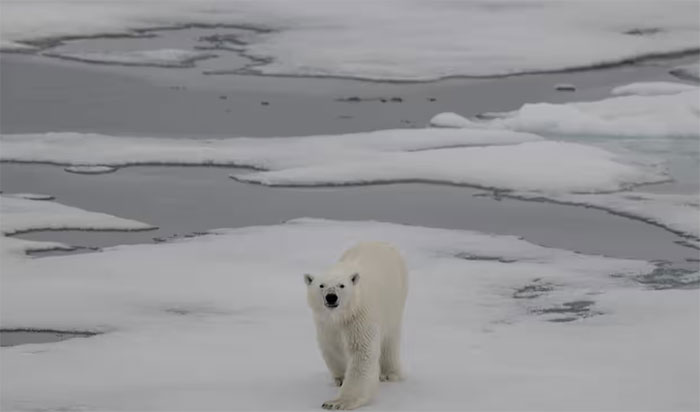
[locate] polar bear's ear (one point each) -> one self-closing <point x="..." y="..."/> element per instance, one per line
<point x="308" y="278"/>
<point x="355" y="278"/>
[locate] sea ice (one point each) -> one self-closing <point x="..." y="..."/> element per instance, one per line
<point x="653" y="88"/>
<point x="500" y="158"/>
<point x="220" y="322"/>
<point x="414" y="41"/>
<point x="21" y="214"/>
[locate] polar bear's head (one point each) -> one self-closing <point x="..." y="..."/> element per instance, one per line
<point x="333" y="294"/>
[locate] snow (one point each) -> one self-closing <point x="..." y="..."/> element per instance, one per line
<point x="160" y="58"/>
<point x="90" y="170"/>
<point x="687" y="71"/>
<point x="499" y="158"/>
<point x="677" y="212"/>
<point x="220" y="323"/>
<point x="653" y="88"/>
<point x="21" y="214"/>
<point x="391" y="40"/>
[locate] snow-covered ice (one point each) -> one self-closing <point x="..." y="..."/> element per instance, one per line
<point x="653" y="88"/>
<point x="687" y="71"/>
<point x="90" y="170"/>
<point x="501" y="159"/>
<point x="536" y="166"/>
<point x="160" y="58"/>
<point x="20" y="214"/>
<point x="674" y="115"/>
<point x="220" y="323"/>
<point x="417" y="40"/>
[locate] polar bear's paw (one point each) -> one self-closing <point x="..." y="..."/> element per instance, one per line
<point x="341" y="403"/>
<point x="338" y="381"/>
<point x="389" y="377"/>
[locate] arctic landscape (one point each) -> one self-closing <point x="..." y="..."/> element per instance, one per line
<point x="170" y="171"/>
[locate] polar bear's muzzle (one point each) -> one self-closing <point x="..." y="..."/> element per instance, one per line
<point x="331" y="300"/>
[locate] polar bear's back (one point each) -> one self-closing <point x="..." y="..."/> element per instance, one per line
<point x="383" y="280"/>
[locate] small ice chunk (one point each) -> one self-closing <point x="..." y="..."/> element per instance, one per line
<point x="90" y="170"/>
<point x="652" y="88"/>
<point x="451" y="120"/>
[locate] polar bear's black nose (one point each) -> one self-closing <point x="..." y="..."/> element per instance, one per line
<point x="331" y="298"/>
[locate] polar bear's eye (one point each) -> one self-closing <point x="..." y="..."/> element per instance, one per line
<point x="321" y="286"/>
<point x="342" y="286"/>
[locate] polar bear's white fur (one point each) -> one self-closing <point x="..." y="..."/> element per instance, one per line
<point x="358" y="306"/>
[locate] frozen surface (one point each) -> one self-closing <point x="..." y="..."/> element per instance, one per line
<point x="653" y="88"/>
<point x="21" y="214"/>
<point x="674" y="115"/>
<point x="417" y="40"/>
<point x="500" y="158"/>
<point x="688" y="71"/>
<point x="159" y="58"/>
<point x="676" y="212"/>
<point x="219" y="323"/>
<point x="536" y="166"/>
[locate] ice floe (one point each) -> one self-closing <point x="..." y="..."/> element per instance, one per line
<point x="220" y="323"/>
<point x="418" y="40"/>
<point x="653" y="88"/>
<point x="536" y="166"/>
<point x="500" y="159"/>
<point x="160" y="58"/>
<point x="90" y="170"/>
<point x="21" y="215"/>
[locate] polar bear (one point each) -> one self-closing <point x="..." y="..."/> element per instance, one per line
<point x="358" y="306"/>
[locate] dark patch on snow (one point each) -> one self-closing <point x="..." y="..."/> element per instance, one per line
<point x="666" y="277"/>
<point x="644" y="31"/>
<point x="574" y="310"/>
<point x="196" y="311"/>
<point x="533" y="290"/>
<point x="565" y="87"/>
<point x="24" y="336"/>
<point x="469" y="256"/>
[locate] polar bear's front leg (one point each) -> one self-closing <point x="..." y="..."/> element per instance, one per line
<point x="362" y="374"/>
<point x="333" y="353"/>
